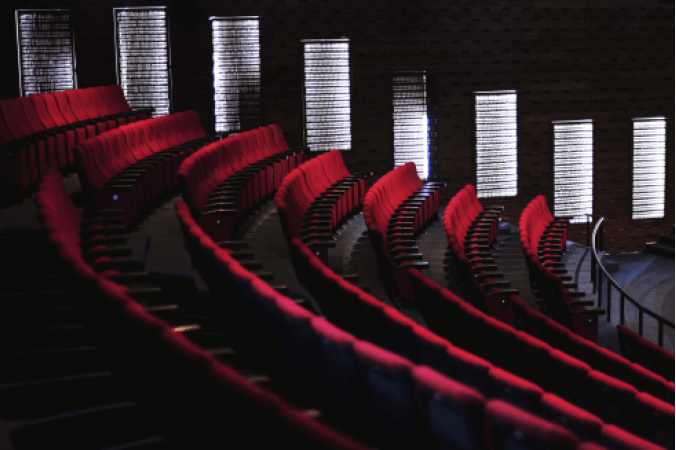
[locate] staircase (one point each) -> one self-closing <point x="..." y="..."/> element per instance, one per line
<point x="663" y="247"/>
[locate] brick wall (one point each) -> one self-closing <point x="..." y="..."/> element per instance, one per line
<point x="568" y="59"/>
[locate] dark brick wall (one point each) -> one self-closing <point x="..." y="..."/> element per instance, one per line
<point x="568" y="59"/>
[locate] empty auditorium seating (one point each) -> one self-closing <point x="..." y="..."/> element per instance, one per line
<point x="38" y="132"/>
<point x="224" y="180"/>
<point x="543" y="240"/>
<point x="314" y="199"/>
<point x="602" y="394"/>
<point x="128" y="167"/>
<point x="470" y="231"/>
<point x="645" y="353"/>
<point x="396" y="208"/>
<point x="203" y="390"/>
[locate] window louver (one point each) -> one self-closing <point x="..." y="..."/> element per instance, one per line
<point x="573" y="169"/>
<point x="496" y="144"/>
<point x="327" y="94"/>
<point x="46" y="52"/>
<point x="411" y="124"/>
<point x="142" y="39"/>
<point x="237" y="74"/>
<point x="649" y="165"/>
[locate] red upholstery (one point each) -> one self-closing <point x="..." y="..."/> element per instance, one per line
<point x="38" y="132"/>
<point x="129" y="166"/>
<point x="508" y="427"/>
<point x="646" y="353"/>
<point x="396" y="207"/>
<point x="227" y="178"/>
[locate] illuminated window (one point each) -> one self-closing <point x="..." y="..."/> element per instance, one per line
<point x="143" y="65"/>
<point x="237" y="72"/>
<point x="326" y="85"/>
<point x="46" y="52"/>
<point x="411" y="124"/>
<point x="496" y="144"/>
<point x="573" y="169"/>
<point x="649" y="165"/>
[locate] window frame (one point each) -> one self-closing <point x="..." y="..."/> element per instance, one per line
<point x="430" y="105"/>
<point x="631" y="170"/>
<point x="553" y="165"/>
<point x="304" y="96"/>
<point x="169" y="64"/>
<point x="17" y="12"/>
<point x="260" y="65"/>
<point x="475" y="165"/>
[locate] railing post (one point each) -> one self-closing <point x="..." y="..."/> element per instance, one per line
<point x="609" y="293"/>
<point x="621" y="308"/>
<point x="599" y="291"/>
<point x="660" y="328"/>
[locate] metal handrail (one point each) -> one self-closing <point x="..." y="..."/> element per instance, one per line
<point x="596" y="262"/>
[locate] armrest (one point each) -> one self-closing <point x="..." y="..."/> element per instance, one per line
<point x="233" y="245"/>
<point x="503" y="292"/>
<point x="406" y="236"/>
<point x="468" y="245"/>
<point x="324" y="224"/>
<point x="414" y="264"/>
<point x="128" y="264"/>
<point x="554" y="264"/>
<point x="488" y="267"/>
<point x="105" y="231"/>
<point x="412" y="256"/>
<point x="317" y="217"/>
<point x="480" y="260"/>
<point x="406" y="242"/>
<point x="405" y="250"/>
<point x="585" y="303"/>
<point x="594" y="312"/>
<point x="492" y="284"/>
<point x="494" y="208"/>
<point x="494" y="274"/>
<point x="220" y="212"/>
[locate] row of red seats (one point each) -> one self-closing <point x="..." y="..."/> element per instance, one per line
<point x="38" y="132"/>
<point x="227" y="178"/>
<point x="544" y="239"/>
<point x="395" y="209"/>
<point x="211" y="400"/>
<point x="126" y="168"/>
<point x="314" y="199"/>
<point x="540" y="326"/>
<point x="411" y="404"/>
<point x="610" y="399"/>
<point x="470" y="230"/>
<point x="640" y="350"/>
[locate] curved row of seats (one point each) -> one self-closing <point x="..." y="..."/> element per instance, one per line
<point x="538" y="325"/>
<point x="544" y="239"/>
<point x="367" y="318"/>
<point x="640" y="350"/>
<point x="412" y="404"/>
<point x="314" y="199"/>
<point x="209" y="399"/>
<point x="396" y="209"/>
<point x="227" y="178"/>
<point x="613" y="400"/>
<point x="128" y="167"/>
<point x="38" y="132"/>
<point x="470" y="230"/>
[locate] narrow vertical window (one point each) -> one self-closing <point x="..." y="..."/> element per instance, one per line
<point x="326" y="65"/>
<point x="237" y="73"/>
<point x="573" y="169"/>
<point x="649" y="167"/>
<point x="143" y="61"/>
<point x="410" y="121"/>
<point x="496" y="144"/>
<point x="46" y="51"/>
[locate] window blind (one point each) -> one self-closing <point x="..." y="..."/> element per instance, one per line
<point x="237" y="72"/>
<point x="411" y="123"/>
<point x="327" y="94"/>
<point x="649" y="167"/>
<point x="46" y="51"/>
<point x="496" y="144"/>
<point x="143" y="65"/>
<point x="573" y="169"/>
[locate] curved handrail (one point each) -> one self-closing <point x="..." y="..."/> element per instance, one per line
<point x="661" y="321"/>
